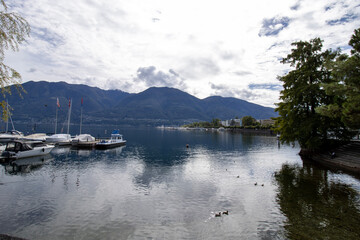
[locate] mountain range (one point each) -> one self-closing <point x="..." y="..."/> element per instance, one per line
<point x="154" y="106"/>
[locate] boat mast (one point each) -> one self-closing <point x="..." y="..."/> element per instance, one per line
<point x="68" y="128"/>
<point x="56" y="120"/>
<point x="12" y="124"/>
<point x="81" y="114"/>
<point x="7" y="119"/>
<point x="9" y="116"/>
<point x="57" y="107"/>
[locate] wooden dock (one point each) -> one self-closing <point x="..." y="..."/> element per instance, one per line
<point x="346" y="157"/>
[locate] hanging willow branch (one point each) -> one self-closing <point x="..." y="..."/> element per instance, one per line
<point x="13" y="31"/>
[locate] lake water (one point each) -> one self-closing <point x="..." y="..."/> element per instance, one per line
<point x="156" y="188"/>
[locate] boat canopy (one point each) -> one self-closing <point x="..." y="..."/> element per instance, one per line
<point x="115" y="132"/>
<point x="16" y="146"/>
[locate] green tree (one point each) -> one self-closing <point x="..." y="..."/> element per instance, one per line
<point x="346" y="88"/>
<point x="13" y="30"/>
<point x="248" y="121"/>
<point x="216" y="123"/>
<point x="302" y="94"/>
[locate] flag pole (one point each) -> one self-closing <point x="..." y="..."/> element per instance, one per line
<point x="56" y="119"/>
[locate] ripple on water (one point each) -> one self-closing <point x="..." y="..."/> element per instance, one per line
<point x="156" y="189"/>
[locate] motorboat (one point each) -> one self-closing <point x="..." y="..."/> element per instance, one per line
<point x="116" y="140"/>
<point x="20" y="149"/>
<point x="35" y="137"/>
<point x="59" y="139"/>
<point x="10" y="135"/>
<point x="16" y="135"/>
<point x="2" y="147"/>
<point x="84" y="141"/>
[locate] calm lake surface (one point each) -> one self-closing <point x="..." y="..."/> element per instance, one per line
<point x="156" y="188"/>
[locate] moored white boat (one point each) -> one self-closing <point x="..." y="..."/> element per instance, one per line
<point x="21" y="149"/>
<point x="84" y="141"/>
<point x="59" y="139"/>
<point x="35" y="137"/>
<point x="10" y="135"/>
<point x="116" y="140"/>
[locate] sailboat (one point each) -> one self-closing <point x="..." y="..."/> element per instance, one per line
<point x="12" y="134"/>
<point x="83" y="140"/>
<point x="61" y="138"/>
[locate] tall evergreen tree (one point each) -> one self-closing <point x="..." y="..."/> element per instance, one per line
<point x="346" y="88"/>
<point x="302" y="94"/>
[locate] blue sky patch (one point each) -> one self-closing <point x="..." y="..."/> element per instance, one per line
<point x="269" y="86"/>
<point x="296" y="6"/>
<point x="345" y="19"/>
<point x="47" y="35"/>
<point x="272" y="26"/>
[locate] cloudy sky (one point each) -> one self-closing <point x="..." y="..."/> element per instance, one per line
<point x="230" y="48"/>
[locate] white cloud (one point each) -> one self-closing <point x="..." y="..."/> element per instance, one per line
<point x="228" y="43"/>
<point x="151" y="77"/>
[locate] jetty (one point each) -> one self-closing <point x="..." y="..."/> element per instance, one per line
<point x="346" y="157"/>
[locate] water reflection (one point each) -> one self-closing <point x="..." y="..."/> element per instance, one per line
<point x="114" y="151"/>
<point x="26" y="165"/>
<point x="156" y="188"/>
<point x="316" y="204"/>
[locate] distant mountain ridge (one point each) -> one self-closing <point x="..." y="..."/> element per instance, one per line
<point x="154" y="106"/>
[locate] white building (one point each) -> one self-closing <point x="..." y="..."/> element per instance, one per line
<point x="231" y="122"/>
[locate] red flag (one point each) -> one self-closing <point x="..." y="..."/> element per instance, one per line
<point x="82" y="101"/>
<point x="69" y="102"/>
<point x="57" y="102"/>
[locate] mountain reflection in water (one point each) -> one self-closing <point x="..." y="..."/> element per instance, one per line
<point x="157" y="188"/>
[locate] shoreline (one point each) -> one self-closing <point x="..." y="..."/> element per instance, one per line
<point x="234" y="130"/>
<point x="345" y="158"/>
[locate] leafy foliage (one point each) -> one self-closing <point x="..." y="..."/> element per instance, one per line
<point x="248" y="121"/>
<point x="215" y="123"/>
<point x="345" y="89"/>
<point x="303" y="93"/>
<point x="13" y="30"/>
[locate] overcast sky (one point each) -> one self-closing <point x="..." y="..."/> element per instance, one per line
<point x="230" y="48"/>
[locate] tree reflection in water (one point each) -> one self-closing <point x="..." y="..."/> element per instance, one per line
<point x="316" y="207"/>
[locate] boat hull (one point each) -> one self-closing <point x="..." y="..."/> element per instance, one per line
<point x="84" y="145"/>
<point x="63" y="143"/>
<point x="31" y="153"/>
<point x="105" y="145"/>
